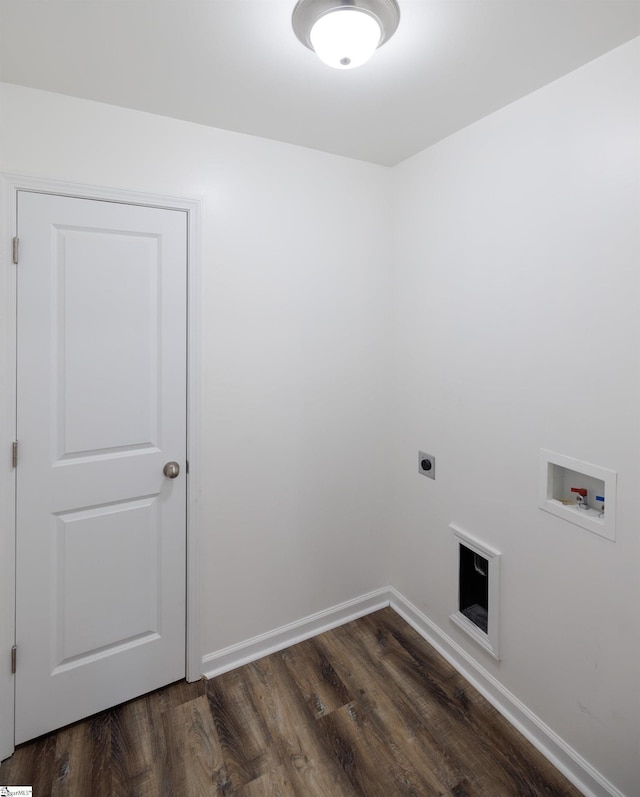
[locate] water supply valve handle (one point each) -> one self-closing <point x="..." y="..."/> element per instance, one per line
<point x="581" y="497"/>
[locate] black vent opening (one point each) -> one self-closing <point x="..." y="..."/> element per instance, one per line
<point x="474" y="587"/>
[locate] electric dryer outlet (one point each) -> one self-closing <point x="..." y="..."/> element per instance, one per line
<point x="426" y="465"/>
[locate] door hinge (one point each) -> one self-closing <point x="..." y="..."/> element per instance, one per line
<point x="14" y="454"/>
<point x="16" y="244"/>
<point x="14" y="651"/>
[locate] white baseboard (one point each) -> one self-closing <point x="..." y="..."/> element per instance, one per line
<point x="575" y="768"/>
<point x="244" y="652"/>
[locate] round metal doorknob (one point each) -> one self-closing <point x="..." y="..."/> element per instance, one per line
<point x="171" y="470"/>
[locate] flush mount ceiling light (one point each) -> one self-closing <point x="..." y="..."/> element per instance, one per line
<point x="345" y="33"/>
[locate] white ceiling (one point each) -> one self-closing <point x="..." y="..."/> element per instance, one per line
<point x="236" y="64"/>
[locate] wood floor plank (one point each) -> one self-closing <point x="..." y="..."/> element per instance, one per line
<point x="495" y="757"/>
<point x="377" y="766"/>
<point x="241" y="731"/>
<point x="501" y="743"/>
<point x="427" y="686"/>
<point x="139" y="761"/>
<point x="83" y="758"/>
<point x="292" y="732"/>
<point x="415" y="743"/>
<point x="178" y="693"/>
<point x="272" y="784"/>
<point x="194" y="750"/>
<point x="436" y="696"/>
<point x="315" y="678"/>
<point x="34" y="765"/>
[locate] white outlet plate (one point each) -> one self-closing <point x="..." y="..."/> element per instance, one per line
<point x="428" y="471"/>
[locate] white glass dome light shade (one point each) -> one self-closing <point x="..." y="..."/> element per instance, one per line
<point x="345" y="37"/>
<point x="345" y="33"/>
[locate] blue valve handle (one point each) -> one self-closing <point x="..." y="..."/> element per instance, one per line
<point x="600" y="498"/>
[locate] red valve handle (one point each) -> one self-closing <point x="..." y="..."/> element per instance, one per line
<point x="580" y="490"/>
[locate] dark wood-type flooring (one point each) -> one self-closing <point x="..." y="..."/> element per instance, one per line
<point x="367" y="709"/>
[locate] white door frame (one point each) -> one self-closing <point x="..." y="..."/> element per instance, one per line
<point x="9" y="185"/>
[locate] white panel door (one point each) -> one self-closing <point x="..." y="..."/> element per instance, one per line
<point x="101" y="407"/>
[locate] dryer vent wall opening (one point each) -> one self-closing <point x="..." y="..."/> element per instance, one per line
<point x="473" y="580"/>
<point x="477" y="590"/>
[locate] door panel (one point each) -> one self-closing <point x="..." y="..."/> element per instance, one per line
<point x="102" y="278"/>
<point x="91" y="617"/>
<point x="100" y="595"/>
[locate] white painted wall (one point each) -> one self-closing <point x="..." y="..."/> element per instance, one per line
<point x="296" y="254"/>
<point x="517" y="320"/>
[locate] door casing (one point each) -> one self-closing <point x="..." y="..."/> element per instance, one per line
<point x="9" y="185"/>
